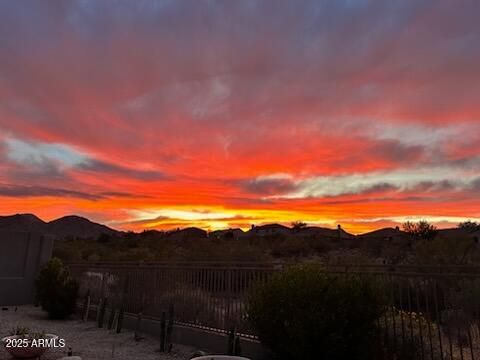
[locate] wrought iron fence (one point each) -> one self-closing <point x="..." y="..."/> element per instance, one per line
<point x="434" y="312"/>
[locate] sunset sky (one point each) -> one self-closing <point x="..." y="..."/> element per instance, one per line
<point x="216" y="114"/>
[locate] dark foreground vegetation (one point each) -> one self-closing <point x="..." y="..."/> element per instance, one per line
<point x="419" y="243"/>
<point x="305" y="313"/>
<point x="56" y="290"/>
<point x="308" y="312"/>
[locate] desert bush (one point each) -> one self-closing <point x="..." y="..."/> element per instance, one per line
<point x="352" y="257"/>
<point x="425" y="296"/>
<point x="469" y="225"/>
<point x="320" y="246"/>
<point x="409" y="335"/>
<point x="56" y="290"/>
<point x="192" y="305"/>
<point x="446" y="251"/>
<point x="305" y="313"/>
<point x="292" y="247"/>
<point x="67" y="252"/>
<point x="421" y="230"/>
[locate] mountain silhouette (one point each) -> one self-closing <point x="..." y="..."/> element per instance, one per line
<point x="80" y="227"/>
<point x="67" y="226"/>
<point x="22" y="222"/>
<point x="77" y="226"/>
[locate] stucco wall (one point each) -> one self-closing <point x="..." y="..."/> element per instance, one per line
<point x="21" y="256"/>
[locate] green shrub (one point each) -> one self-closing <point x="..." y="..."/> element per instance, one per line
<point x="56" y="290"/>
<point x="304" y="313"/>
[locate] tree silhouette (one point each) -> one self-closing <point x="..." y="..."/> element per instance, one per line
<point x="298" y="225"/>
<point x="421" y="230"/>
<point x="469" y="225"/>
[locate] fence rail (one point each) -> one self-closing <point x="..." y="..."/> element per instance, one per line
<point x="434" y="311"/>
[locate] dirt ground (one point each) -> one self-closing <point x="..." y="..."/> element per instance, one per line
<point x="85" y="339"/>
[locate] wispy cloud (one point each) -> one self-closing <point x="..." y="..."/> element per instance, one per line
<point x="9" y="190"/>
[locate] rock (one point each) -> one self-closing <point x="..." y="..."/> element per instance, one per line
<point x="71" y="358"/>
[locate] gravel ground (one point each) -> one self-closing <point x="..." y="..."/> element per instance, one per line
<point x="85" y="339"/>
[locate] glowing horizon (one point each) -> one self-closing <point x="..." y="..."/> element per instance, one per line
<point x="225" y="114"/>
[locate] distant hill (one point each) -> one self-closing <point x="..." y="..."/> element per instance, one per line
<point x="396" y="233"/>
<point x="22" y="222"/>
<point x="78" y="227"/>
<point x="227" y="234"/>
<point x="456" y="233"/>
<point x="74" y="226"/>
<point x="325" y="232"/>
<point x="189" y="233"/>
<point x="310" y="231"/>
<point x="269" y="229"/>
<point x="384" y="233"/>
